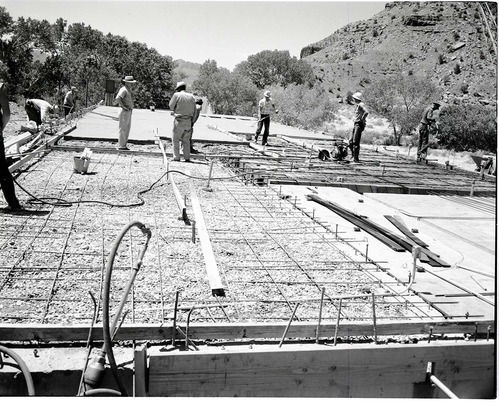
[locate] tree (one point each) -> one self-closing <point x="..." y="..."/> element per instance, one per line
<point x="275" y="67"/>
<point x="401" y="99"/>
<point x="468" y="128"/>
<point x="303" y="107"/>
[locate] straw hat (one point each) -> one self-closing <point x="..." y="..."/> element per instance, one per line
<point x="129" y="79"/>
<point x="357" y="96"/>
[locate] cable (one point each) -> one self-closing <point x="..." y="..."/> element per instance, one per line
<point x="67" y="203"/>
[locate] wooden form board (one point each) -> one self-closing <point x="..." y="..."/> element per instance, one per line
<point x="214" y="279"/>
<point x="242" y="331"/>
<point x="358" y="371"/>
<point x="40" y="149"/>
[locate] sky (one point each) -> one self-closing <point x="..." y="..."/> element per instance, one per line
<point x="225" y="31"/>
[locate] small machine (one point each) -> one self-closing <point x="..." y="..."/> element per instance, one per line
<point x="338" y="153"/>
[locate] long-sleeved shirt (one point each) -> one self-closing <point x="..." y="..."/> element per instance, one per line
<point x="69" y="99"/>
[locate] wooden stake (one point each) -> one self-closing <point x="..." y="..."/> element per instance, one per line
<point x="320" y="316"/>
<point x="289" y="324"/>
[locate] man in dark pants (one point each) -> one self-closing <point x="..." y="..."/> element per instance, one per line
<point x="6" y="180"/>
<point x="38" y="110"/>
<point x="265" y="109"/>
<point x="428" y="119"/>
<point x="359" y="125"/>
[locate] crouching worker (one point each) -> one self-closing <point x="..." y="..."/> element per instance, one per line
<point x="39" y="110"/>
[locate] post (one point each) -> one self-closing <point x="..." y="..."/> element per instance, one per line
<point x="207" y="188"/>
<point x="174" y="328"/>
<point x="289" y="324"/>
<point x="374" y="320"/>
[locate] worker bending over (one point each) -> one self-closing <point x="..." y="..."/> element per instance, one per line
<point x="428" y="119"/>
<point x="39" y="110"/>
<point x="359" y="124"/>
<point x="183" y="106"/>
<point x="265" y="108"/>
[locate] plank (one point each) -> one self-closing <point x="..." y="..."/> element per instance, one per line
<point x="214" y="279"/>
<point x="399" y="224"/>
<point x="140" y="371"/>
<point x="248" y="331"/>
<point x="347" y="371"/>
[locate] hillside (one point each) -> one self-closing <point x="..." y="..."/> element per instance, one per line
<point x="447" y="41"/>
<point x="186" y="71"/>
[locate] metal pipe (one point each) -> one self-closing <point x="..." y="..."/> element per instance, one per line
<point x="337" y="321"/>
<point x="320" y="316"/>
<point x="374" y="320"/>
<point x="289" y="324"/>
<point x="442" y="387"/>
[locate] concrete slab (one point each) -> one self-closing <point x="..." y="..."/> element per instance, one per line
<point x="459" y="242"/>
<point x="102" y="123"/>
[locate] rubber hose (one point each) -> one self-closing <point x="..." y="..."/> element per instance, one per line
<point x="108" y="348"/>
<point x="101" y="392"/>
<point x="24" y="369"/>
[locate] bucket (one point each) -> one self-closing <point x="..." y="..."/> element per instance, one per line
<point x="81" y="165"/>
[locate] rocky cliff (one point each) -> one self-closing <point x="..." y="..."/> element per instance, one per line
<point x="454" y="44"/>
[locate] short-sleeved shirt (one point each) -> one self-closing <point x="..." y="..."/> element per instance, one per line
<point x="266" y="106"/>
<point x="69" y="99"/>
<point x="126" y="97"/>
<point x="183" y="104"/>
<point x="360" y="112"/>
<point x="428" y="117"/>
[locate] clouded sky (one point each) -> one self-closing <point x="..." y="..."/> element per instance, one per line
<point x="225" y="31"/>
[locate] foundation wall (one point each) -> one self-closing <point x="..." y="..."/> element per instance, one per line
<point x="363" y="371"/>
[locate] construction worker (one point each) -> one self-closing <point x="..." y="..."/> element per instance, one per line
<point x="69" y="101"/>
<point x="359" y="124"/>
<point x="183" y="106"/>
<point x="124" y="99"/>
<point x="265" y="108"/>
<point x="199" y="105"/>
<point x="427" y="120"/>
<point x="6" y="181"/>
<point x="39" y="110"/>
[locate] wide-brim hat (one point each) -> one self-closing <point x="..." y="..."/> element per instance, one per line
<point x="266" y="94"/>
<point x="74" y="88"/>
<point x="180" y="84"/>
<point x="129" y="79"/>
<point x="357" y="96"/>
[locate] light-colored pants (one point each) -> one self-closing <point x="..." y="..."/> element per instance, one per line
<point x="181" y="134"/>
<point x="125" y="123"/>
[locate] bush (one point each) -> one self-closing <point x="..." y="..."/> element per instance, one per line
<point x="303" y="107"/>
<point x="441" y="59"/>
<point x="457" y="69"/>
<point x="468" y="128"/>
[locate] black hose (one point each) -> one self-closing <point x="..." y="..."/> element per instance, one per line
<point x="67" y="203"/>
<point x="24" y="369"/>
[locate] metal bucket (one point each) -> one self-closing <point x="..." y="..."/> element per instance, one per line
<point x="81" y="164"/>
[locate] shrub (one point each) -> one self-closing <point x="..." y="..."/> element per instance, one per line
<point x="441" y="59"/>
<point x="464" y="88"/>
<point x="457" y="69"/>
<point x="468" y="128"/>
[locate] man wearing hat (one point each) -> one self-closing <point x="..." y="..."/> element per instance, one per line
<point x="183" y="106"/>
<point x="69" y="101"/>
<point x="124" y="99"/>
<point x="359" y="124"/>
<point x="428" y="119"/>
<point x="265" y="108"/>
<point x="38" y="110"/>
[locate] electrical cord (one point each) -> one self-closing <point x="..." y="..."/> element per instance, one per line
<point x="67" y="203"/>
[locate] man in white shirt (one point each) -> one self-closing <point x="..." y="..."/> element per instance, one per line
<point x="265" y="108"/>
<point x="39" y="110"/>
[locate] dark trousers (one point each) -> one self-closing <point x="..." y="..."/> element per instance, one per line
<point x="354" y="142"/>
<point x="424" y="134"/>
<point x="33" y="112"/>
<point x="6" y="179"/>
<point x="264" y="121"/>
<point x="67" y="110"/>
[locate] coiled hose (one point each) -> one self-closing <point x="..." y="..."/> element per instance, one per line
<point x="24" y="368"/>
